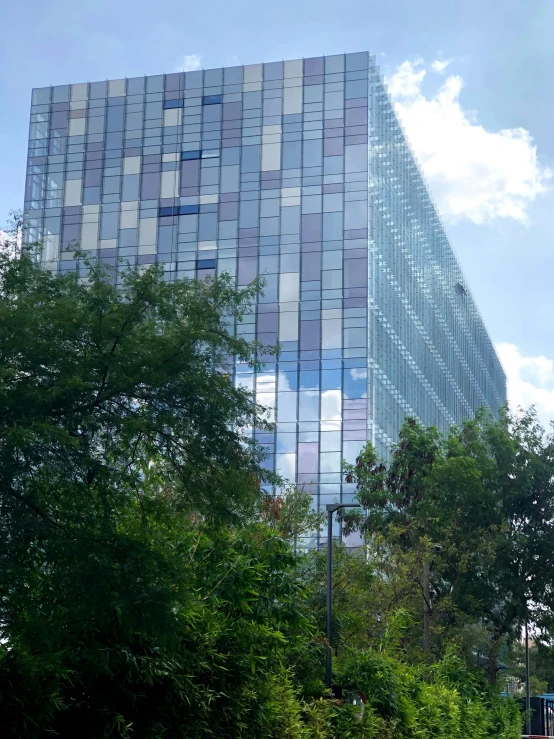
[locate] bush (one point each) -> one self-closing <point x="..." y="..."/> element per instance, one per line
<point x="442" y="701"/>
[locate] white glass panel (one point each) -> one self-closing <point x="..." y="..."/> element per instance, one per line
<point x="116" y="88"/>
<point x="73" y="192"/>
<point x="289" y="285"/>
<point x="147" y="231"/>
<point x="131" y="165"/>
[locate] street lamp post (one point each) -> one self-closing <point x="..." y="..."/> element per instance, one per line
<point x="331" y="508"/>
<point x="527" y="683"/>
<point x="427" y="599"/>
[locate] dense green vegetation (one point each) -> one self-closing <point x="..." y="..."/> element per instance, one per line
<point x="149" y="589"/>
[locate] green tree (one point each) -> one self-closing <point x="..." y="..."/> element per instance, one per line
<point x="141" y="592"/>
<point x="483" y="494"/>
<point x="119" y="427"/>
<point x="292" y="514"/>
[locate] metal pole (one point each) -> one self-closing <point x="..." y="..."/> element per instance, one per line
<point x="427" y="610"/>
<point x="329" y="656"/>
<point x="331" y="508"/>
<point x="527" y="684"/>
<point x="426" y="607"/>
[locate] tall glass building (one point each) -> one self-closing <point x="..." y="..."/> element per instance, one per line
<point x="299" y="171"/>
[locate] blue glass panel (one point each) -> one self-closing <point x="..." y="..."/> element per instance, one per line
<point x="205" y="263"/>
<point x="212" y="99"/>
<point x="187" y="210"/>
<point x="191" y="154"/>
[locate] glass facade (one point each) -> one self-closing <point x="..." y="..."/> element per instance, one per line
<point x="299" y="171"/>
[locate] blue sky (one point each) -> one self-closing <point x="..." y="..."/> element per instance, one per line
<point x="472" y="79"/>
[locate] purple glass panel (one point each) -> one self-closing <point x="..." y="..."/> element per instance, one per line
<point x="355" y="253"/>
<point x="354" y="425"/>
<point x="311" y="227"/>
<point x="150" y="186"/>
<point x="355" y="302"/>
<point x="311" y="266"/>
<point x="360" y="413"/>
<point x="228" y="211"/>
<point x="356" y="233"/>
<point x="248" y="241"/>
<point x="93" y="177"/>
<point x="271" y="185"/>
<point x="247" y="269"/>
<point x="356" y="117"/>
<point x="267" y="322"/>
<point x="59" y="120"/>
<point x="309" y="335"/>
<point x="314" y="80"/>
<point x="308" y="457"/>
<point x="173" y="81"/>
<point x="355" y="273"/>
<point x="337" y="187"/>
<point x="355" y="403"/>
<point x="71" y="233"/>
<point x="356" y="103"/>
<point x="356" y="292"/>
<point x="314" y="65"/>
<point x="311" y="246"/>
<point x="351" y="140"/>
<point x="268" y="308"/>
<point x="190" y="173"/>
<point x="356" y="435"/>
<point x="330" y="133"/>
<point x="333" y="146"/>
<point x="246" y="232"/>
<point x="248" y="251"/>
<point x="356" y="130"/>
<point x="228" y="197"/>
<point x="307" y="481"/>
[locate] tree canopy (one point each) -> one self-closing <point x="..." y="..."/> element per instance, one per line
<point x="480" y="504"/>
<point x="149" y="586"/>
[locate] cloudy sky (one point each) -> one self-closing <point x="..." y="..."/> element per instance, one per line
<point x="472" y="81"/>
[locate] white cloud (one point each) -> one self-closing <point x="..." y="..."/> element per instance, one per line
<point x="439" y="66"/>
<point x="473" y="173"/>
<point x="189" y="63"/>
<point x="530" y="381"/>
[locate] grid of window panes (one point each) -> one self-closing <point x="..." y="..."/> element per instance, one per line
<point x="429" y="353"/>
<point x="263" y="169"/>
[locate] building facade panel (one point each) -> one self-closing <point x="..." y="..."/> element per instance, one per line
<point x="298" y="171"/>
